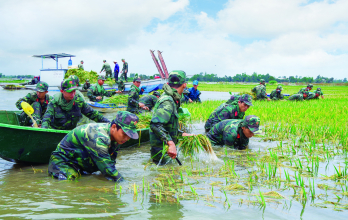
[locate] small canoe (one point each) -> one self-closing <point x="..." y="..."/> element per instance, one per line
<point x="106" y="108"/>
<point x="23" y="144"/>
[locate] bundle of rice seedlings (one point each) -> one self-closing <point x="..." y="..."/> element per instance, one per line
<point x="117" y="99"/>
<point x="144" y="121"/>
<point x="191" y="146"/>
<point x="185" y="123"/>
<point x="83" y="75"/>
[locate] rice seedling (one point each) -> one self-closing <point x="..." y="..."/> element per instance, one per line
<point x="190" y="146"/>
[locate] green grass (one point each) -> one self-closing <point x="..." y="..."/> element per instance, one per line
<point x="13" y="81"/>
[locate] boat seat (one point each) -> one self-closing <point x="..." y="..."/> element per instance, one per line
<point x="9" y="117"/>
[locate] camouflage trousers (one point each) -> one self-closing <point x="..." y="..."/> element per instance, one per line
<point x="61" y="168"/>
<point x="124" y="75"/>
<point x="24" y="119"/>
<point x="156" y="155"/>
<point x="107" y="74"/>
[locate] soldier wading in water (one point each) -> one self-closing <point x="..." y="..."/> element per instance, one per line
<point x="164" y="125"/>
<point x="93" y="147"/>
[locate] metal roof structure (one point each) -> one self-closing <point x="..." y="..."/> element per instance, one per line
<point x="54" y="55"/>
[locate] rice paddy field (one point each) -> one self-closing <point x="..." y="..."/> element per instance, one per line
<point x="297" y="169"/>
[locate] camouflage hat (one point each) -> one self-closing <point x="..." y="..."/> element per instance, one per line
<point x="195" y="83"/>
<point x="143" y="87"/>
<point x="137" y="80"/>
<point x="68" y="85"/>
<point x="262" y="81"/>
<point x="178" y="73"/>
<point x="310" y="85"/>
<point x="155" y="93"/>
<point x="123" y="59"/>
<point x="121" y="81"/>
<point x="41" y="87"/>
<point x="280" y="87"/>
<point x="128" y="122"/>
<point x="75" y="78"/>
<point x="246" y="99"/>
<point x="87" y="80"/>
<point x="318" y="89"/>
<point x="101" y="77"/>
<point x="253" y="123"/>
<point x="104" y="60"/>
<point x="81" y="61"/>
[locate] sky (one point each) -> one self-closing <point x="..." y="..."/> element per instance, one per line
<point x="224" y="37"/>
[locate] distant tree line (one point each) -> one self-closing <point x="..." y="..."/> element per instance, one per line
<point x="243" y="77"/>
<point x="16" y="76"/>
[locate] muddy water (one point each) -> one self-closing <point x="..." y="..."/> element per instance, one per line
<point x="27" y="192"/>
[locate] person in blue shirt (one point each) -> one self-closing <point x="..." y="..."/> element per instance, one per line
<point x="194" y="93"/>
<point x="142" y="89"/>
<point x="116" y="70"/>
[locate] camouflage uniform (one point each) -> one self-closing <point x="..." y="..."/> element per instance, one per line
<point x="33" y="100"/>
<point x="275" y="95"/>
<point x="133" y="100"/>
<point x="229" y="132"/>
<point x="227" y="111"/>
<point x="296" y="97"/>
<point x="233" y="99"/>
<point x="305" y="90"/>
<point x="89" y="148"/>
<point x="164" y="125"/>
<point x="149" y="101"/>
<point x="318" y="93"/>
<point x="260" y="91"/>
<point x="121" y="86"/>
<point x="80" y="66"/>
<point x="98" y="90"/>
<point x="107" y="69"/>
<point x="64" y="115"/>
<point x="87" y="85"/>
<point x="184" y="96"/>
<point x="125" y="71"/>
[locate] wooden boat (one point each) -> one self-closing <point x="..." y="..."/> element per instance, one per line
<point x="23" y="144"/>
<point x="107" y="108"/>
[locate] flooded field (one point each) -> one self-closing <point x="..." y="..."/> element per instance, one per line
<point x="291" y="172"/>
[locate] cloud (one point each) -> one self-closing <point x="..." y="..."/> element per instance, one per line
<point x="276" y="37"/>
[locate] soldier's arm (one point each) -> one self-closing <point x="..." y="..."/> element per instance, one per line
<point x="26" y="98"/>
<point x="103" y="68"/>
<point x="89" y="112"/>
<point x="98" y="150"/>
<point x="90" y="94"/>
<point x="48" y="116"/>
<point x="132" y="99"/>
<point x="162" y="116"/>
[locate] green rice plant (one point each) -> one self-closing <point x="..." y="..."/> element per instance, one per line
<point x="190" y="146"/>
<point x="261" y="199"/>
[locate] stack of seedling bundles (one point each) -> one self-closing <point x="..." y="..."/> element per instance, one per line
<point x="83" y="75"/>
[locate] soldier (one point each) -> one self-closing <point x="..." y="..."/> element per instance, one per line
<point x="80" y="66"/>
<point x="164" y="125"/>
<point x="194" y="93"/>
<point x="38" y="100"/>
<point x="121" y="86"/>
<point x="116" y="71"/>
<point x="234" y="98"/>
<point x="236" y="110"/>
<point x="184" y="96"/>
<point x="87" y="85"/>
<point x="93" y="147"/>
<point x="125" y="69"/>
<point x="298" y="97"/>
<point x="260" y="91"/>
<point x="106" y="67"/>
<point x="303" y="90"/>
<point x="150" y="100"/>
<point x="318" y="93"/>
<point x="97" y="92"/>
<point x="142" y="90"/>
<point x="66" y="109"/>
<point x="276" y="94"/>
<point x="133" y="98"/>
<point x="77" y="81"/>
<point x="235" y="133"/>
